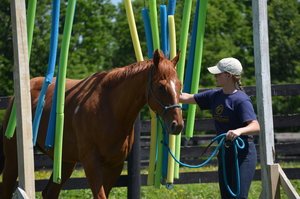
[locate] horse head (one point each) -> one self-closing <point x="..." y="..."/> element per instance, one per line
<point x="163" y="92"/>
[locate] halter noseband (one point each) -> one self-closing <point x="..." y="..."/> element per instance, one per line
<point x="149" y="91"/>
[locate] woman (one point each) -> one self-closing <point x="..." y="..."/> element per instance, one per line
<point x="234" y="115"/>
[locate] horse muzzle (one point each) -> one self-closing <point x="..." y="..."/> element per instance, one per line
<point x="176" y="127"/>
<point x="174" y="124"/>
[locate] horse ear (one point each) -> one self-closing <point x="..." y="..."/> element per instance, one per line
<point x="157" y="56"/>
<point x="175" y="59"/>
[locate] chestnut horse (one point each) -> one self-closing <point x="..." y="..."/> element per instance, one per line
<point x="100" y="112"/>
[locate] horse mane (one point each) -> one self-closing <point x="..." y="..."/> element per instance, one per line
<point x="117" y="75"/>
<point x="112" y="78"/>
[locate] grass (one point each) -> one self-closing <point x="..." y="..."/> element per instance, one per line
<point x="186" y="191"/>
<point x="183" y="191"/>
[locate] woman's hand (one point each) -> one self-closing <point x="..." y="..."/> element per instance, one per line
<point x="252" y="128"/>
<point x="187" y="98"/>
<point x="232" y="134"/>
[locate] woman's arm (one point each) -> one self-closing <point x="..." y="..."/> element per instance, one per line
<point x="187" y="98"/>
<point x="252" y="128"/>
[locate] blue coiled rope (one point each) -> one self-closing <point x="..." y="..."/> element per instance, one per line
<point x="221" y="138"/>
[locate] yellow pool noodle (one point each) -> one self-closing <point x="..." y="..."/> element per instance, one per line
<point x="172" y="138"/>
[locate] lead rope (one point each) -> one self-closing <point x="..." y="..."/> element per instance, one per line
<point x="237" y="143"/>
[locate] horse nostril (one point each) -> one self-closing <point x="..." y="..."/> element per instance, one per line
<point x="174" y="126"/>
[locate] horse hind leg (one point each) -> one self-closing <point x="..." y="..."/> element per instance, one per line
<point x="52" y="190"/>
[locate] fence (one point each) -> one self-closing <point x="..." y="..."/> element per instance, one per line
<point x="287" y="146"/>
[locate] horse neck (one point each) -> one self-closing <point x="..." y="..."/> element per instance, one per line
<point x="129" y="94"/>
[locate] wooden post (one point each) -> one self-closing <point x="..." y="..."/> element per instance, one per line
<point x="286" y="185"/>
<point x="22" y="98"/>
<point x="270" y="172"/>
<point x="279" y="178"/>
<point x="275" y="186"/>
<point x="263" y="92"/>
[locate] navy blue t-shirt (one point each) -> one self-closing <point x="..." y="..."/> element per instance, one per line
<point x="230" y="111"/>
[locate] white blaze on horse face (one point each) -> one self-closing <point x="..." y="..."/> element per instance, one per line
<point x="76" y="110"/>
<point x="173" y="86"/>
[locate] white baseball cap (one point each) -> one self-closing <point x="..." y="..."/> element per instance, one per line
<point x="229" y="65"/>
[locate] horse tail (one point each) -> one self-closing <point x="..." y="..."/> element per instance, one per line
<point x="2" y="133"/>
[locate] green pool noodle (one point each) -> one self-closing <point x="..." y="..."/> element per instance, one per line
<point x="30" y="23"/>
<point x="154" y="24"/>
<point x="12" y="122"/>
<point x="157" y="127"/>
<point x="61" y="91"/>
<point x="158" y="170"/>
<point x="184" y="38"/>
<point x="181" y="66"/>
<point x="197" y="66"/>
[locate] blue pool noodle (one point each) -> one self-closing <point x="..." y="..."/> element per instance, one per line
<point x="49" y="142"/>
<point x="164" y="48"/>
<point x="171" y="7"/>
<point x="148" y="33"/>
<point x="50" y="70"/>
<point x="164" y="30"/>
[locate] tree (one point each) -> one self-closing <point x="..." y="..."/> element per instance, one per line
<point x="101" y="38"/>
<point x="91" y="48"/>
<point x="284" y="26"/>
<point x="91" y="43"/>
<point x="6" y="50"/>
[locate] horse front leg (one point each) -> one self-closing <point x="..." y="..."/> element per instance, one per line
<point x="10" y="171"/>
<point x="9" y="178"/>
<point x="52" y="190"/>
<point x="111" y="176"/>
<point x="94" y="174"/>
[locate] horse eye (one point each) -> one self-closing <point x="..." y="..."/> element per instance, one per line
<point x="161" y="87"/>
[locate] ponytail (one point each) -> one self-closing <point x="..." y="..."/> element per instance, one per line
<point x="238" y="82"/>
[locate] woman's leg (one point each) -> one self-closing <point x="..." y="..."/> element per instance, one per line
<point x="230" y="168"/>
<point x="247" y="170"/>
<point x="247" y="162"/>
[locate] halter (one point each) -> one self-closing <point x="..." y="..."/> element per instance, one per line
<point x="149" y="91"/>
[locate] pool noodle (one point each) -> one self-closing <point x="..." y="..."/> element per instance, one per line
<point x="49" y="142"/>
<point x="189" y="68"/>
<point x="50" y="70"/>
<point x="180" y="68"/>
<point x="197" y="66"/>
<point x="61" y="91"/>
<point x="155" y="127"/>
<point x="164" y="29"/>
<point x="146" y="19"/>
<point x="153" y="136"/>
<point x="164" y="47"/>
<point x="171" y="7"/>
<point x="133" y="31"/>
<point x="172" y="138"/>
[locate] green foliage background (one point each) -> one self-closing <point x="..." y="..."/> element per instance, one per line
<point x="101" y="40"/>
